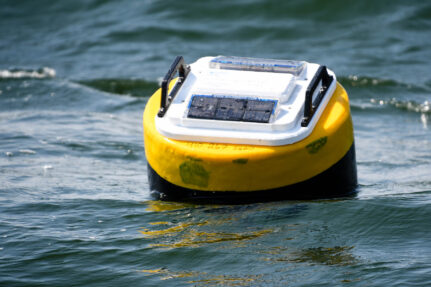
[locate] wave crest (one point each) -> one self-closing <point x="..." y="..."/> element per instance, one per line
<point x="411" y="106"/>
<point x="132" y="87"/>
<point x="361" y="81"/>
<point x="41" y="73"/>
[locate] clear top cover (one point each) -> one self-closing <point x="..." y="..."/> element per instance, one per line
<point x="258" y="65"/>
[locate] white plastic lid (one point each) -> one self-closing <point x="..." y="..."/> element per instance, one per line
<point x="233" y="88"/>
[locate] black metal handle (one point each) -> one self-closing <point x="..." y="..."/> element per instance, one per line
<point x="310" y="106"/>
<point x="183" y="71"/>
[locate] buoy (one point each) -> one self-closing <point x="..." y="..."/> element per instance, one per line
<point x="235" y="129"/>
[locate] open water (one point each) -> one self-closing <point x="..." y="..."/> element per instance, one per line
<point x="75" y="209"/>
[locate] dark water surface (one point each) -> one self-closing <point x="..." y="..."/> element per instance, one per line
<point x="75" y="209"/>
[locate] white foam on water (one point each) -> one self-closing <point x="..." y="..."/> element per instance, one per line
<point x="140" y="195"/>
<point x="42" y="73"/>
<point x="47" y="166"/>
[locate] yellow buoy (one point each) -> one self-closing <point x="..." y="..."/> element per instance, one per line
<point x="220" y="166"/>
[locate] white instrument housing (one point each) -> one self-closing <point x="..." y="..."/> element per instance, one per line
<point x="270" y="95"/>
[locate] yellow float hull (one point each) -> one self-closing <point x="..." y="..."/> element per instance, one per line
<point x="222" y="170"/>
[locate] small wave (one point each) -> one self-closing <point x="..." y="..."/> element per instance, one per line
<point x="41" y="73"/>
<point x="132" y="87"/>
<point x="411" y="106"/>
<point x="362" y="81"/>
<point x="354" y="81"/>
<point x="27" y="151"/>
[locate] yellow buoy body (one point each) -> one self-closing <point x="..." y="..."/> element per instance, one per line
<point x="322" y="164"/>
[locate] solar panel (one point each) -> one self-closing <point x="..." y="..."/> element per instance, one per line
<point x="231" y="109"/>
